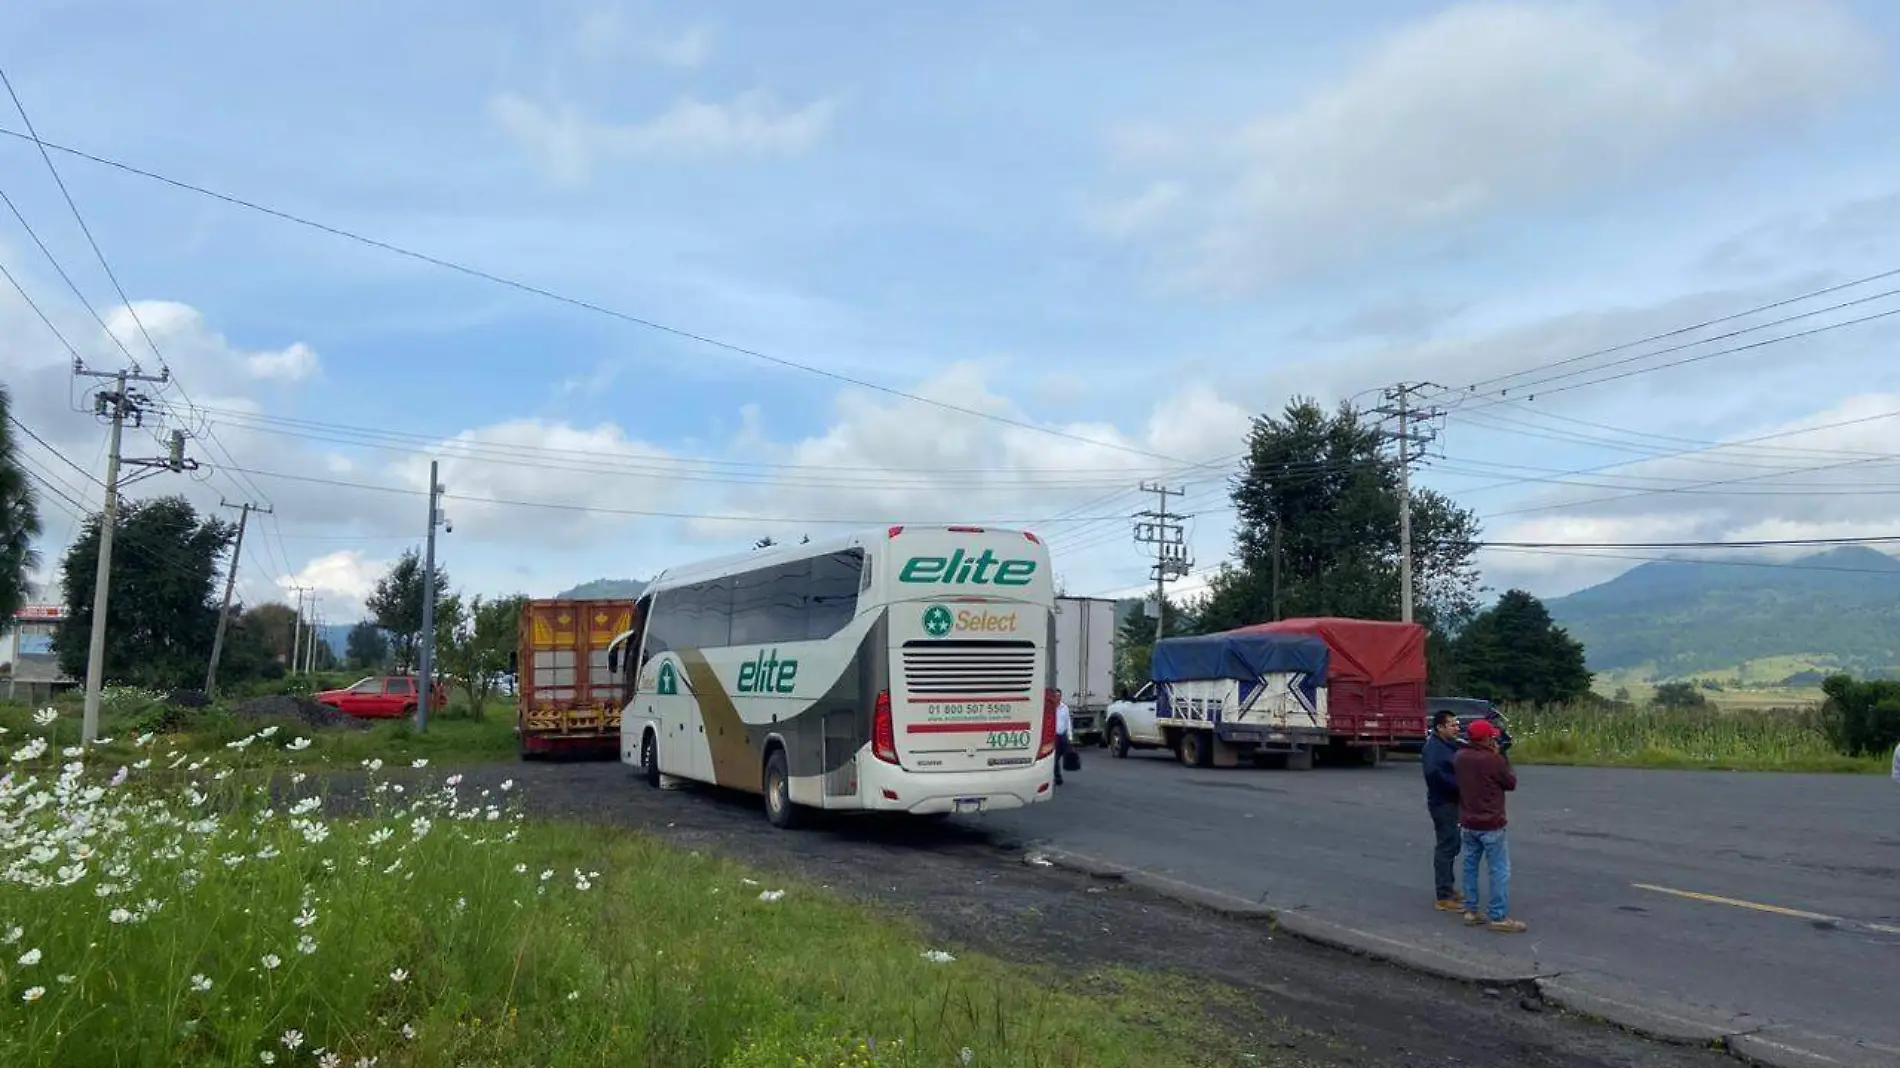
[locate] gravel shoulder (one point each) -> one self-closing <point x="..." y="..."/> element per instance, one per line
<point x="971" y="887"/>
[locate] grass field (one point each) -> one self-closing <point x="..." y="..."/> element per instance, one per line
<point x="447" y="741"/>
<point x="1754" y="684"/>
<point x="198" y="919"/>
<point x="1738" y="739"/>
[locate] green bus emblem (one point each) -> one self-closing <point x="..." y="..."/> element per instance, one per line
<point x="938" y="621"/>
<point x="669" y="680"/>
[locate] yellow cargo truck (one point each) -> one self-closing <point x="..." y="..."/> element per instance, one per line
<point x="568" y="701"/>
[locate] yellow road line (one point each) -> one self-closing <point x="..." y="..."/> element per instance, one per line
<point x="1777" y="910"/>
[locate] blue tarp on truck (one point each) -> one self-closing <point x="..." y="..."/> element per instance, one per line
<point x="1244" y="657"/>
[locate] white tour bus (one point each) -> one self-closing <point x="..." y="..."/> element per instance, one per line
<point x="901" y="670"/>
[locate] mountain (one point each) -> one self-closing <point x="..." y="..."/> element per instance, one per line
<point x="604" y="589"/>
<point x="1839" y="608"/>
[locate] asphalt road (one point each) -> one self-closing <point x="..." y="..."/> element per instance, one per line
<point x="1603" y="863"/>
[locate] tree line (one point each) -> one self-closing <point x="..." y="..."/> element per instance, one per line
<point x="1318" y="534"/>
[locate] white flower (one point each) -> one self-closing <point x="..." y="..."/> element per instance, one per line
<point x="381" y="835"/>
<point x="583" y="885"/>
<point x="67" y="980"/>
<point x="271" y="962"/>
<point x="200" y="983"/>
<point x="461" y="903"/>
<point x="120" y="916"/>
<point x="46" y="717"/>
<point x="306" y="806"/>
<point x="966" y="1055"/>
<point x="305" y="918"/>
<point x="769" y="896"/>
<point x="520" y="869"/>
<point x="573" y="995"/>
<point x="119" y="779"/>
<point x="33" y="993"/>
<point x="297" y="745"/>
<point x="29" y="958"/>
<point x="306" y="945"/>
<point x="409" y="1032"/>
<point x="398" y="976"/>
<point x="365" y="1062"/>
<point x="546" y="875"/>
<point x="419" y="763"/>
<point x="326" y="1059"/>
<point x="298" y="778"/>
<point x="267" y="732"/>
<point x="315" y="833"/>
<point x="292" y="1040"/>
<point x="143" y="740"/>
<point x="938" y="956"/>
<point x="267" y="1056"/>
<point x="454" y="780"/>
<point x="507" y="784"/>
<point x="14" y="934"/>
<point x="420" y="827"/>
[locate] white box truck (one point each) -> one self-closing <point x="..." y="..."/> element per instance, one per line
<point x="1085" y="663"/>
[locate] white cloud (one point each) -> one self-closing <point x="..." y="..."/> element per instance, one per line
<point x="346" y="576"/>
<point x="1485" y="107"/>
<point x="293" y="364"/>
<point x="754" y="123"/>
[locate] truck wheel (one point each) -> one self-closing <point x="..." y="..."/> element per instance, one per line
<point x="1194" y="751"/>
<point x="1118" y="741"/>
<point x="778" y="793"/>
<point x="1300" y="760"/>
<point x="650" y="760"/>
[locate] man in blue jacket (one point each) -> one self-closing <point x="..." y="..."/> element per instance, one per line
<point x="1441" y="797"/>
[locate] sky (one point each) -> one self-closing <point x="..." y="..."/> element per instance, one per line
<point x="737" y="270"/>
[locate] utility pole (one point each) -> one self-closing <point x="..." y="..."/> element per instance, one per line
<point x="119" y="403"/>
<point x="1409" y="418"/>
<point x="425" y="674"/>
<point x="1161" y="529"/>
<point x="310" y="647"/>
<point x="230" y="582"/>
<point x="296" y="631"/>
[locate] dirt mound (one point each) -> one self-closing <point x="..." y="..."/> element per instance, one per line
<point x="319" y="716"/>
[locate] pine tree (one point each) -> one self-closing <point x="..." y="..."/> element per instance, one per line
<point x="19" y="518"/>
<point x="1513" y="652"/>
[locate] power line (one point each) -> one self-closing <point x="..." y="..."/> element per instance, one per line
<point x="585" y="305"/>
<point x="1476" y="387"/>
<point x="600" y="510"/>
<point x="81" y="220"/>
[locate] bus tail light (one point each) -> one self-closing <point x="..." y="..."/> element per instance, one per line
<point x="883" y="730"/>
<point x="1051" y="697"/>
<point x="1032" y="537"/>
<point x="894" y="531"/>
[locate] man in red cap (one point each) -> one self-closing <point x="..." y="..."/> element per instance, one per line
<point x="1484" y="777"/>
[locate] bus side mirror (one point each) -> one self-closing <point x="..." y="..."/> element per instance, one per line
<point x="613" y="660"/>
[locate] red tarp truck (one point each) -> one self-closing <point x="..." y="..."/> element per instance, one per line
<point x="568" y="699"/>
<point x="1376" y="683"/>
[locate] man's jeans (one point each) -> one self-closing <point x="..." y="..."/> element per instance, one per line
<point x="1494" y="845"/>
<point x="1445" y="852"/>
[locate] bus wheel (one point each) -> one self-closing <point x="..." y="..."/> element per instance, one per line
<point x="650" y="759"/>
<point x="778" y="792"/>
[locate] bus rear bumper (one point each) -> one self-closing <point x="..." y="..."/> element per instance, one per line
<point x="888" y="789"/>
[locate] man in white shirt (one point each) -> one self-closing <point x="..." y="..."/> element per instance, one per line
<point x="1062" y="736"/>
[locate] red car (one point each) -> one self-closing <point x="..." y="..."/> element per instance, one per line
<point x="381" y="697"/>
